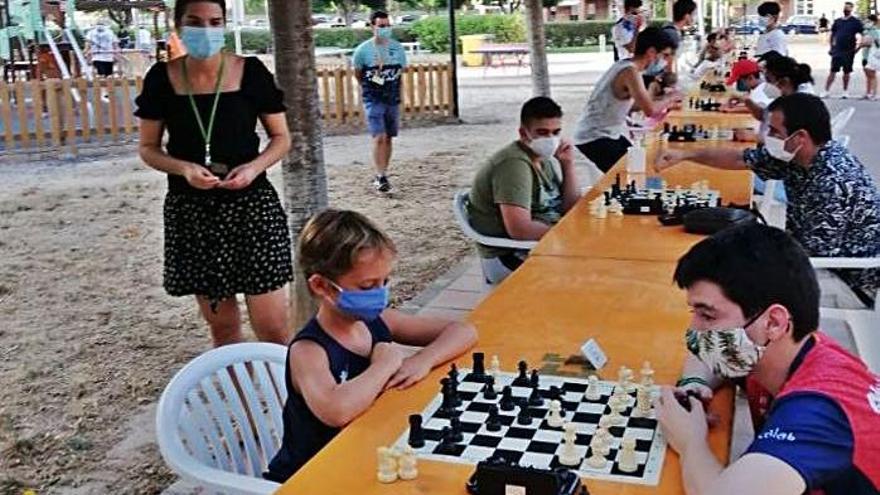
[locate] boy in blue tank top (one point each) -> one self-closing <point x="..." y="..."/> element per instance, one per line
<point x="343" y="358"/>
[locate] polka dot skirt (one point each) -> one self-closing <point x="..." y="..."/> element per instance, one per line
<point x="226" y="244"/>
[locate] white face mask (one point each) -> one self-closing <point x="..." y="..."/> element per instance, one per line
<point x="772" y="91"/>
<point x="776" y="148"/>
<point x="545" y="147"/>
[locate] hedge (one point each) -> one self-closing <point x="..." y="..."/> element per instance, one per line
<point x="433" y="33"/>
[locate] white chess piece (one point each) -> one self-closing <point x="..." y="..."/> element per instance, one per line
<point x="407" y="469"/>
<point x="494" y="366"/>
<point x="569" y="456"/>
<point x="387" y="472"/>
<point x="604" y="439"/>
<point x="593" y="392"/>
<point x="597" y="459"/>
<point x="602" y="211"/>
<point x="647" y="374"/>
<point x="555" y="419"/>
<point x="626" y="461"/>
<point x="643" y="401"/>
<point x="615" y="417"/>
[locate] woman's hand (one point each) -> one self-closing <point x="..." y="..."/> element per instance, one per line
<point x="200" y="177"/>
<point x="239" y="177"/>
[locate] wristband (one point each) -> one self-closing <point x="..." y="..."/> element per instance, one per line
<point x="691" y="379"/>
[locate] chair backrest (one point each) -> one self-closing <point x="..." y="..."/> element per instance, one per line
<point x="223" y="411"/>
<point x="459" y="210"/>
<point x="840" y="120"/>
<point x="844" y="140"/>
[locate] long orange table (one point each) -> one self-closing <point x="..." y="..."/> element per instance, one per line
<point x="639" y="237"/>
<point x="549" y="305"/>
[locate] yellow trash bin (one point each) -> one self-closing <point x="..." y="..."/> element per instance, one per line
<point x="472" y="42"/>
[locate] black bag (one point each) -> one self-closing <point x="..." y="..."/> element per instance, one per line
<point x="707" y="221"/>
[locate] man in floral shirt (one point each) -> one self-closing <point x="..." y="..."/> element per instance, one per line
<point x="833" y="203"/>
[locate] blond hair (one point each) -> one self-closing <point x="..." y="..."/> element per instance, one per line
<point x="332" y="240"/>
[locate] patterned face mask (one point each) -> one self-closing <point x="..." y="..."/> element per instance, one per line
<point x="728" y="352"/>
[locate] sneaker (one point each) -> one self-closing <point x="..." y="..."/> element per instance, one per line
<point x="381" y="184"/>
<point x="844" y="95"/>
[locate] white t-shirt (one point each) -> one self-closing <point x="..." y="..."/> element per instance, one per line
<point x="622" y="33"/>
<point x="773" y="40"/>
<point x="102" y="41"/>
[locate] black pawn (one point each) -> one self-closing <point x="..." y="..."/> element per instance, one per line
<point x="479" y="369"/>
<point x="492" y="422"/>
<point x="455" y="425"/>
<point x="489" y="389"/>
<point x="416" y="433"/>
<point x="453" y="375"/>
<point x="534" y="379"/>
<point x="535" y="398"/>
<point x="447" y="445"/>
<point x="555" y="393"/>
<point x="523" y="417"/>
<point x="522" y="380"/>
<point x="506" y="403"/>
<point x="607" y="198"/>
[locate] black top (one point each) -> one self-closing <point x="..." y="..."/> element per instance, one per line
<point x="304" y="433"/>
<point x="234" y="140"/>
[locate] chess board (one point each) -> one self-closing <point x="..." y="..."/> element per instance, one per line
<point x="658" y="201"/>
<point x="538" y="444"/>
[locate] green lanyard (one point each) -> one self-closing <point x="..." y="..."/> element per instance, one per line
<point x="206" y="134"/>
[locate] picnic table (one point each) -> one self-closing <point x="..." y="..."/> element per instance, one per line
<point x="502" y="53"/>
<point x="610" y="281"/>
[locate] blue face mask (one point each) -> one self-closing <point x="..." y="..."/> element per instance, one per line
<point x="656" y="66"/>
<point x="202" y="42"/>
<point x="741" y="85"/>
<point x="383" y="32"/>
<point x="364" y="305"/>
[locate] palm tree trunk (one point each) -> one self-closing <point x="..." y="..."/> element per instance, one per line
<point x="537" y="48"/>
<point x="305" y="180"/>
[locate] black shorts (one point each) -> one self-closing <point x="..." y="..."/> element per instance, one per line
<point x="605" y="152"/>
<point x="844" y="62"/>
<point x="103" y="68"/>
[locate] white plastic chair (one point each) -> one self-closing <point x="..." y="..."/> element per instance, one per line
<point x="864" y="324"/>
<point x="768" y="202"/>
<point x="844" y="140"/>
<point x="205" y="421"/>
<point x="840" y="120"/>
<point x="459" y="209"/>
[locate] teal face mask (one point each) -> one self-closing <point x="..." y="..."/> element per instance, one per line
<point x="383" y="32"/>
<point x="203" y="42"/>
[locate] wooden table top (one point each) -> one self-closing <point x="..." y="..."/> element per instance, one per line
<point x="549" y="305"/>
<point x="640" y="237"/>
<point x="722" y="119"/>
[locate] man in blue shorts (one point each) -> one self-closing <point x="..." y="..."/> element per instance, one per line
<point x="816" y="407"/>
<point x="843" y="48"/>
<point x="379" y="64"/>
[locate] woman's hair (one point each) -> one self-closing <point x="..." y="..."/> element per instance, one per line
<point x="787" y="67"/>
<point x="181" y="5"/>
<point x="872" y="17"/>
<point x="332" y="240"/>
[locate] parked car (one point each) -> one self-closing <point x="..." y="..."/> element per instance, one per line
<point x="747" y="27"/>
<point x="801" y="24"/>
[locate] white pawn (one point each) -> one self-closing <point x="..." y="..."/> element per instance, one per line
<point x="407" y="469"/>
<point x="647" y="374"/>
<point x="555" y="419"/>
<point x="387" y="472"/>
<point x="602" y="211"/>
<point x="643" y="401"/>
<point x="494" y="366"/>
<point x="626" y="461"/>
<point x="593" y="392"/>
<point x="615" y="417"/>
<point x="569" y="455"/>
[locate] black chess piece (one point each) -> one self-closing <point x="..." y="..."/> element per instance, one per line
<point x="447" y="445"/>
<point x="534" y="379"/>
<point x="522" y="380"/>
<point x="555" y="393"/>
<point x="451" y="401"/>
<point x="453" y="374"/>
<point x="523" y="417"/>
<point x="666" y="129"/>
<point x="489" y="389"/>
<point x="479" y="369"/>
<point x="535" y="398"/>
<point x="607" y="198"/>
<point x="493" y="423"/>
<point x="416" y="433"/>
<point x="506" y="403"/>
<point x="455" y="425"/>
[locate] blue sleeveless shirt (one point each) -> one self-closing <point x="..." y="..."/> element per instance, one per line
<point x="304" y="433"/>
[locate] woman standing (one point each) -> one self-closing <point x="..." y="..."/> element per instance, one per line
<point x="871" y="56"/>
<point x="225" y="230"/>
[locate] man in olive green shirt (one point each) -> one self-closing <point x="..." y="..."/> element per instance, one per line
<point x="524" y="188"/>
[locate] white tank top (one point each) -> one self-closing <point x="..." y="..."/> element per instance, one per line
<point x="604" y="116"/>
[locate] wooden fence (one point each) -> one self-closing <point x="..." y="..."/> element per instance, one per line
<point x="65" y="114"/>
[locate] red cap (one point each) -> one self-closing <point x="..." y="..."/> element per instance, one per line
<point x="742" y="68"/>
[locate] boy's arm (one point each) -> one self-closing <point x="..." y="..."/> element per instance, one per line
<point x="442" y="340"/>
<point x="337" y="404"/>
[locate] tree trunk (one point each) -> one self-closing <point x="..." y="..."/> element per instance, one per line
<point x="537" y="48"/>
<point x="305" y="180"/>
